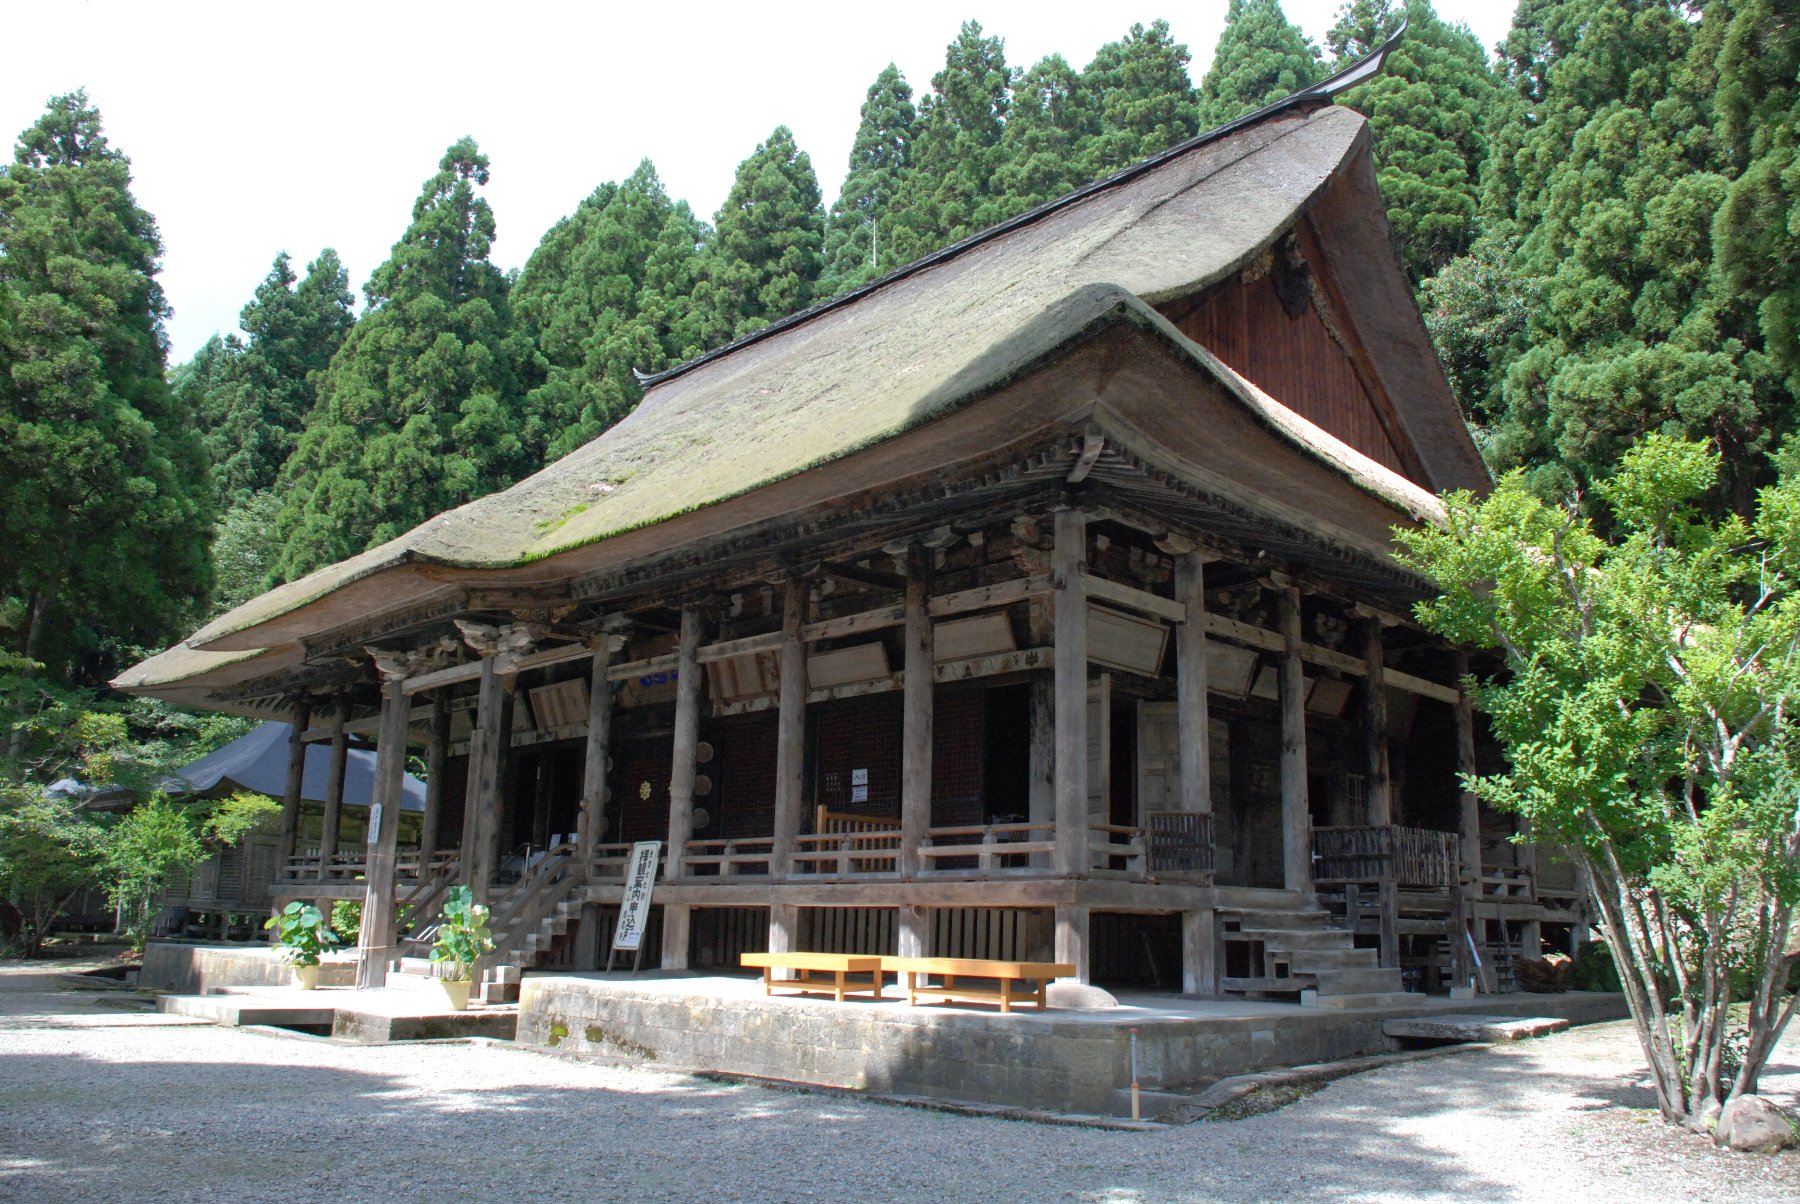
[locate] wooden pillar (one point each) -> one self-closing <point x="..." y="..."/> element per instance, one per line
<point x="1199" y="952"/>
<point x="334" y="788"/>
<point x="1041" y="761"/>
<point x="290" y="793"/>
<point x="915" y="730"/>
<point x="1068" y="574"/>
<point x="1531" y="932"/>
<point x="677" y="923"/>
<point x="790" y="736"/>
<point x="437" y="753"/>
<point x="375" y="944"/>
<point x="1190" y="684"/>
<point x="1296" y="816"/>
<point x="494" y="820"/>
<point x="681" y="764"/>
<point x="482" y="798"/>
<point x="1072" y="938"/>
<point x="591" y="821"/>
<point x="1469" y="807"/>
<point x="1378" y="789"/>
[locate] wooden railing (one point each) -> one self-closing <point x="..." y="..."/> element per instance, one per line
<point x="544" y="885"/>
<point x="1115" y="851"/>
<point x="729" y="858"/>
<point x="1417" y="857"/>
<point x="986" y="849"/>
<point x="1507" y="882"/>
<point x="421" y="904"/>
<point x="847" y="845"/>
<point x="351" y="862"/>
<point x="610" y="861"/>
<point x="1180" y="843"/>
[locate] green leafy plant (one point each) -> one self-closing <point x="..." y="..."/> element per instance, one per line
<point x="462" y="935"/>
<point x="1650" y="712"/>
<point x="301" y="933"/>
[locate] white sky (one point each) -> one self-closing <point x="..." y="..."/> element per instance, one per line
<point x="260" y="127"/>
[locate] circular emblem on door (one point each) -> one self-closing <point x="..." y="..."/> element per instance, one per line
<point x="644" y="791"/>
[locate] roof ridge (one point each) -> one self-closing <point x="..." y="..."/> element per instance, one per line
<point x="1325" y="90"/>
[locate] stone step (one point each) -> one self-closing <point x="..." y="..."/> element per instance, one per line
<point x="1357" y="982"/>
<point x="1307" y="961"/>
<point x="1296" y="938"/>
<point x="1462" y="1026"/>
<point x="1370" y="999"/>
<point x="1267" y="986"/>
<point x="1264" y="919"/>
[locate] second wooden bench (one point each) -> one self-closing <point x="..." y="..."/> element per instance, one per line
<point x="1007" y="974"/>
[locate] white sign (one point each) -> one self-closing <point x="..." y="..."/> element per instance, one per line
<point x="859" y="777"/>
<point x="634" y="912"/>
<point x="374" y="824"/>
<point x="859" y="794"/>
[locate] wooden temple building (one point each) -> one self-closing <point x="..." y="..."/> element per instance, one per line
<point x="1034" y="601"/>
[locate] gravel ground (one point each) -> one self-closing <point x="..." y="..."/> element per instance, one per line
<point x="102" y="1102"/>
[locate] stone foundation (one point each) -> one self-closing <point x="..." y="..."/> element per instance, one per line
<point x="199" y="969"/>
<point x="1057" y="1061"/>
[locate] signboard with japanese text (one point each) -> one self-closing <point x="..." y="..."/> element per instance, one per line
<point x="634" y="910"/>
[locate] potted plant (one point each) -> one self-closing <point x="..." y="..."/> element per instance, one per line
<point x="462" y="939"/>
<point x="303" y="937"/>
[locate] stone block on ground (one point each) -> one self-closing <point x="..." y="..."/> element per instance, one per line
<point x="1752" y="1124"/>
<point x="1460" y="1026"/>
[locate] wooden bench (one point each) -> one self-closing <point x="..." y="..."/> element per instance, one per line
<point x="808" y="965"/>
<point x="1007" y="974"/>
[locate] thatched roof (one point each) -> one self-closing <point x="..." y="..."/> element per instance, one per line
<point x="896" y="357"/>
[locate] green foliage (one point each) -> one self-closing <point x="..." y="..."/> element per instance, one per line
<point x="1633" y="203"/>
<point x="246" y="549"/>
<point x="301" y="932"/>
<point x="1647" y="710"/>
<point x="1049" y="128"/>
<point x="956" y="146"/>
<point x="1143" y="99"/>
<point x="767" y="249"/>
<point x="1428" y="111"/>
<point x="346" y="915"/>
<point x="417" y="410"/>
<point x="879" y="160"/>
<point x="601" y="297"/>
<point x="102" y="473"/>
<point x="1593" y="969"/>
<point x="49" y="850"/>
<point x="155" y="841"/>
<point x="252" y="395"/>
<point x="1261" y="58"/>
<point x="462" y="935"/>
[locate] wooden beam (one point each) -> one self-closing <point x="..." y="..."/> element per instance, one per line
<point x="1069" y="573"/>
<point x="1468" y="805"/>
<point x="1191" y="718"/>
<point x="1377" y="789"/>
<point x="994" y="664"/>
<point x="1424" y="688"/>
<point x="915" y="728"/>
<point x="375" y="943"/>
<point x="686" y="744"/>
<point x="296" y="775"/>
<point x="1272" y="641"/>
<point x="1132" y="598"/>
<point x="482" y="794"/>
<point x="334" y="787"/>
<point x="595" y="753"/>
<point x="437" y="752"/>
<point x="1296" y="856"/>
<point x="790" y="745"/>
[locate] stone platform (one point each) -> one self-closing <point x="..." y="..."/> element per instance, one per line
<point x="348" y="1014"/>
<point x="1061" y="1060"/>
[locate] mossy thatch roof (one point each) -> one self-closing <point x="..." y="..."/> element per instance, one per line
<point x="854" y="374"/>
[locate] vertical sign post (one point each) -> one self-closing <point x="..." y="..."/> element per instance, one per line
<point x="634" y="909"/>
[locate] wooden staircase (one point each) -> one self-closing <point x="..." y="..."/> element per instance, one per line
<point x="1286" y="948"/>
<point x="526" y="917"/>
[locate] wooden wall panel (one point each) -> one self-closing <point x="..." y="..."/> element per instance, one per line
<point x="1293" y="360"/>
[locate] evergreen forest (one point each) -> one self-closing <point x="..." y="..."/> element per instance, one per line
<point x="1600" y="215"/>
